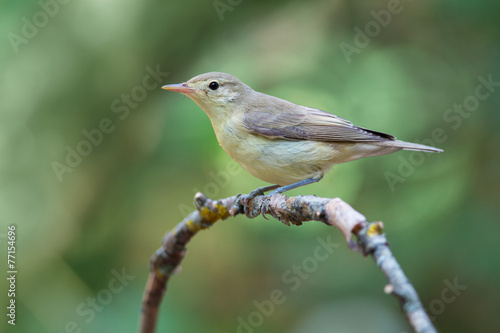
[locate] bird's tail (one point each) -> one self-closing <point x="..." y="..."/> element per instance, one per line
<point x="409" y="146"/>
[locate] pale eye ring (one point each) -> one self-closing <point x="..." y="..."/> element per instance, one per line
<point x="214" y="85"/>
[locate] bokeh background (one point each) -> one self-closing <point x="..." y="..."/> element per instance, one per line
<point x="70" y="67"/>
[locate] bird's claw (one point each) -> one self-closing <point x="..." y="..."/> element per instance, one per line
<point x="265" y="201"/>
<point x="245" y="202"/>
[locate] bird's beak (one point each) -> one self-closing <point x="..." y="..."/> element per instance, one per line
<point x="179" y="87"/>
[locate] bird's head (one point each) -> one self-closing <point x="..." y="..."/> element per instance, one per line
<point x="216" y="93"/>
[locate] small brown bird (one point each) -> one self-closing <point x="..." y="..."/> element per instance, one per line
<point x="280" y="142"/>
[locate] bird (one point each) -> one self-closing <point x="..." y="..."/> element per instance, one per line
<point x="277" y="141"/>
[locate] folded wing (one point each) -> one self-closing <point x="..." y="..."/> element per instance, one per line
<point x="308" y="124"/>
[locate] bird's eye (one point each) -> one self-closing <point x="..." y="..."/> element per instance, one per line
<point x="213" y="85"/>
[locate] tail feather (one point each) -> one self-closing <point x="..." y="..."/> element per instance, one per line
<point x="409" y="146"/>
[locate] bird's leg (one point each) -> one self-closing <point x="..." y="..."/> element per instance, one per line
<point x="257" y="192"/>
<point x="295" y="185"/>
<point x="285" y="188"/>
<point x="245" y="199"/>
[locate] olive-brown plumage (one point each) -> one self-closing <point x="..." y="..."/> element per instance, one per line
<point x="278" y="141"/>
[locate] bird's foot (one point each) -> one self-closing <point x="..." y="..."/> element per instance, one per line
<point x="265" y="204"/>
<point x="243" y="201"/>
<point x="246" y="198"/>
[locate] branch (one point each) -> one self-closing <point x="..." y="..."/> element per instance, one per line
<point x="295" y="210"/>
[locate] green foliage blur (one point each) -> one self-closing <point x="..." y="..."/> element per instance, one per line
<point x="98" y="163"/>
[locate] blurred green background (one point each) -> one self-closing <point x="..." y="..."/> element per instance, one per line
<point x="71" y="67"/>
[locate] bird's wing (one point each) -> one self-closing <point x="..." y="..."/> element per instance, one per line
<point x="308" y="124"/>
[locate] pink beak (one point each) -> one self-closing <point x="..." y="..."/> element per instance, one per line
<point x="179" y="87"/>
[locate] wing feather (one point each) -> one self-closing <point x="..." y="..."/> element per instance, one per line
<point x="308" y="124"/>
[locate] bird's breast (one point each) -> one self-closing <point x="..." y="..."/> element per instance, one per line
<point x="275" y="161"/>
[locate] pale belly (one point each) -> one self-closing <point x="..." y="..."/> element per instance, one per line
<point x="285" y="162"/>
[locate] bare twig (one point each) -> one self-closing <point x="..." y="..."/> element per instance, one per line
<point x="294" y="210"/>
